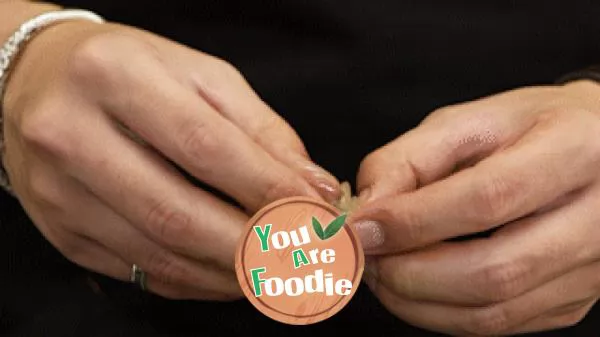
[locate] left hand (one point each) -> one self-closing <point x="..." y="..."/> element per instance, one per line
<point x="526" y="164"/>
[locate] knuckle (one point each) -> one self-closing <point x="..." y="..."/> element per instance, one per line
<point x="224" y="68"/>
<point x="216" y="76"/>
<point x="443" y="113"/>
<point x="560" y="118"/>
<point x="491" y="200"/>
<point x="201" y="145"/>
<point x="42" y="131"/>
<point x="43" y="188"/>
<point x="372" y="161"/>
<point x="414" y="227"/>
<point x="499" y="281"/>
<point x="490" y="321"/>
<point x="371" y="165"/>
<point x="270" y="123"/>
<point x="92" y="59"/>
<point x="273" y="131"/>
<point x="582" y="144"/>
<point x="168" y="224"/>
<point x="590" y="145"/>
<point x="551" y="116"/>
<point x="407" y="224"/>
<point x="164" y="266"/>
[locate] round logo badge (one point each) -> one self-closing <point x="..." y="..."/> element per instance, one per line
<point x="298" y="262"/>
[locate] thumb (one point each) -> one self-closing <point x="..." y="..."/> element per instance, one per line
<point x="450" y="139"/>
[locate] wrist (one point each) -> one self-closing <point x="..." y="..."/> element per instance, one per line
<point x="45" y="57"/>
<point x="12" y="49"/>
<point x="14" y="13"/>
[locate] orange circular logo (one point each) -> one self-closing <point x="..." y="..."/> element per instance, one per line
<point x="298" y="262"/>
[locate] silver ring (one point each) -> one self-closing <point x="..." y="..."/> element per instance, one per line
<point x="138" y="276"/>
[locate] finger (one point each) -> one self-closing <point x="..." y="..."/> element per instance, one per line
<point x="64" y="207"/>
<point x="166" y="267"/>
<point x="226" y="90"/>
<point x="499" y="318"/>
<point x="499" y="189"/>
<point x="44" y="192"/>
<point x="94" y="256"/>
<point x="141" y="187"/>
<point x="91" y="255"/>
<point x="424" y="316"/>
<point x="553" y="322"/>
<point x="179" y="292"/>
<point x="520" y="257"/>
<point x="144" y="96"/>
<point x="450" y="137"/>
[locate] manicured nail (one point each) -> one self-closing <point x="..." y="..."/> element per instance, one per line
<point x="328" y="190"/>
<point x="370" y="233"/>
<point x="327" y="185"/>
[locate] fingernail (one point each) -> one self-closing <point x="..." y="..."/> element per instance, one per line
<point x="327" y="184"/>
<point x="370" y="233"/>
<point x="329" y="191"/>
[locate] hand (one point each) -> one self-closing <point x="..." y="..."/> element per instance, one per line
<point x="94" y="117"/>
<point x="524" y="164"/>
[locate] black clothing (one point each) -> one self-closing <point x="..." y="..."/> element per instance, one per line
<point x="373" y="69"/>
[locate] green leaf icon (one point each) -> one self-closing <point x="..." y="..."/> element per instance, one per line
<point x="331" y="229"/>
<point x="318" y="229"/>
<point x="335" y="226"/>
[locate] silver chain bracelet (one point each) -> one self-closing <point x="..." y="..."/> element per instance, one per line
<point x="10" y="50"/>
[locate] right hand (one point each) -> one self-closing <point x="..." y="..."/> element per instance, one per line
<point x="107" y="199"/>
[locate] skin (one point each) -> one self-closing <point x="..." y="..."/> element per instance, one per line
<point x="92" y="142"/>
<point x="524" y="164"/>
<point x="112" y="107"/>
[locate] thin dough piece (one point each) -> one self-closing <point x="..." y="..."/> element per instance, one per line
<point x="347" y="202"/>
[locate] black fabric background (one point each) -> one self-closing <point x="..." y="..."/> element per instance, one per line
<point x="370" y="69"/>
